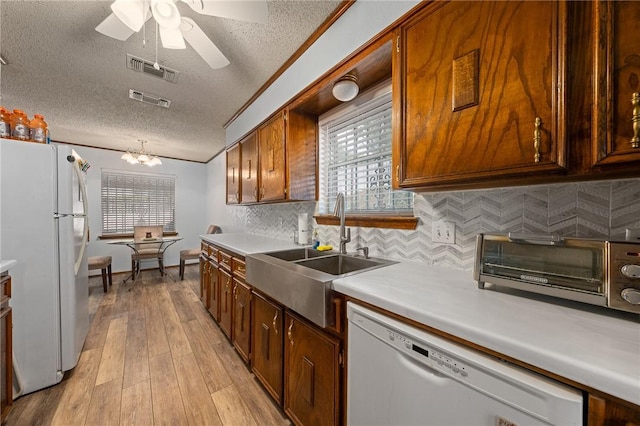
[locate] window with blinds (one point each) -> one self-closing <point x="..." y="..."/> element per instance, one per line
<point x="130" y="199"/>
<point x="355" y="159"/>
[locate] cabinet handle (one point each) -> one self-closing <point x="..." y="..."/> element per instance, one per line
<point x="249" y="169"/>
<point x="536" y="139"/>
<point x="398" y="44"/>
<point x="398" y="173"/>
<point x="262" y="192"/>
<point x="255" y="192"/>
<point x="228" y="282"/>
<point x="275" y="317"/>
<point x="635" y="119"/>
<point x="237" y="196"/>
<point x="289" y="333"/>
<point x="235" y="290"/>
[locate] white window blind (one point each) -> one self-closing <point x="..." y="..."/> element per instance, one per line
<point x="355" y="159"/>
<point x="130" y="199"/>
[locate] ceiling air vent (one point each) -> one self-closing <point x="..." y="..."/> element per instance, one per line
<point x="148" y="98"/>
<point x="146" y="67"/>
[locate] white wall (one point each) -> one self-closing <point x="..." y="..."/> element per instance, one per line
<point x="191" y="204"/>
<point x="218" y="213"/>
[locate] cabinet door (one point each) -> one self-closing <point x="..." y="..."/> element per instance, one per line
<point x="302" y="152"/>
<point x="214" y="291"/>
<point x="226" y="301"/>
<point x="204" y="278"/>
<point x="479" y="89"/>
<point x="249" y="148"/>
<point x="272" y="159"/>
<point x="242" y="318"/>
<point x="233" y="174"/>
<point x="311" y="374"/>
<point x="266" y="345"/>
<point x="617" y="110"/>
<point x="6" y="377"/>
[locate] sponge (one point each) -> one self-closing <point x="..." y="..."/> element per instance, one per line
<point x="324" y="248"/>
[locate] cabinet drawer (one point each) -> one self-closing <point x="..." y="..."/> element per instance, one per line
<point x="224" y="260"/>
<point x="5" y="289"/>
<point x="239" y="269"/>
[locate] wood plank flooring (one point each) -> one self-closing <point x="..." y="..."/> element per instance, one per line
<point x="153" y="356"/>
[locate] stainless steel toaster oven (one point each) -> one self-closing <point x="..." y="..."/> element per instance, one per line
<point x="604" y="273"/>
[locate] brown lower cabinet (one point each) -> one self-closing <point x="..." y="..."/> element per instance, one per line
<point x="242" y="319"/>
<point x="204" y="278"/>
<point x="213" y="290"/>
<point x="225" y="281"/>
<point x="311" y="374"/>
<point x="6" y="363"/>
<point x="266" y="342"/>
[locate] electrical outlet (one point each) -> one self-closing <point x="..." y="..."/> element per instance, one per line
<point x="443" y="232"/>
<point x="632" y="234"/>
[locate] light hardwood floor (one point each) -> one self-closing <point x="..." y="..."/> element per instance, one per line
<point x="153" y="356"/>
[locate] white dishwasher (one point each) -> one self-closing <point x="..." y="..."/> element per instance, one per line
<point x="400" y="375"/>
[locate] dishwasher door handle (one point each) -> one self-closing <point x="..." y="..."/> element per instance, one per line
<point x="423" y="370"/>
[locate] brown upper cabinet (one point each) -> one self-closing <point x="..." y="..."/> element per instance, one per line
<point x="478" y="90"/>
<point x="249" y="149"/>
<point x="234" y="181"/>
<point x="278" y="161"/>
<point x="616" y="136"/>
<point x="271" y="142"/>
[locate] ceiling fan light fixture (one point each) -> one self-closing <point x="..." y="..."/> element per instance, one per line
<point x="172" y="38"/>
<point x="346" y="88"/>
<point x="166" y="13"/>
<point x="132" y="13"/>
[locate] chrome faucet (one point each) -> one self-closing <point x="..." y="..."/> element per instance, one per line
<point x="345" y="233"/>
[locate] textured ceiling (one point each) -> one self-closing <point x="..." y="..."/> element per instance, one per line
<point x="59" y="66"/>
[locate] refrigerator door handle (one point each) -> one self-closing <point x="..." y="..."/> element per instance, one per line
<point x="85" y="232"/>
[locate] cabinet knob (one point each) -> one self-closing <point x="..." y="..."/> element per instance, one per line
<point x="635" y="119"/>
<point x="536" y="139"/>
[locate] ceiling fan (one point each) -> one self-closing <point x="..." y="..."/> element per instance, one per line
<point x="129" y="16"/>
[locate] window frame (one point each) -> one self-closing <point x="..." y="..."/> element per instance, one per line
<point x="398" y="219"/>
<point x="169" y="216"/>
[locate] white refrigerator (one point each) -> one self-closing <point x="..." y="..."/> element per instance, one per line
<point x="44" y="226"/>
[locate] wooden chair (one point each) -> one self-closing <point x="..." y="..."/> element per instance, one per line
<point x="104" y="263"/>
<point x="146" y="251"/>
<point x="190" y="254"/>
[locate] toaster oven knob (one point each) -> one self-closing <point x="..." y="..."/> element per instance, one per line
<point x="631" y="271"/>
<point x="631" y="295"/>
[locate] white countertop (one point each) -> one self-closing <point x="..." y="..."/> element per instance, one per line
<point x="245" y="244"/>
<point x="593" y="346"/>
<point x="5" y="265"/>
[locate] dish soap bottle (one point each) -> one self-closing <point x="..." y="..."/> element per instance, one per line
<point x="316" y="240"/>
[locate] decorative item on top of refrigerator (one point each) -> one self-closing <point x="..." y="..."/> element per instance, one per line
<point x="16" y="125"/>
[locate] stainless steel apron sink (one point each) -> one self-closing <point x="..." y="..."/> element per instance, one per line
<point x="301" y="278"/>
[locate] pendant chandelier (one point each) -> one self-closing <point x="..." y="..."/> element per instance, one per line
<point x="141" y="157"/>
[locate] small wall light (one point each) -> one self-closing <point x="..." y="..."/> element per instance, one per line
<point x="346" y="88"/>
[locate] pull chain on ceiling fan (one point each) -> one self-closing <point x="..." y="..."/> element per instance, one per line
<point x="129" y="17"/>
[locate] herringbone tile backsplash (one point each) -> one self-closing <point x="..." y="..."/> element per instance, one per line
<point x="587" y="209"/>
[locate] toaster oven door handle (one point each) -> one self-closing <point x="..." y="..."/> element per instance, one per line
<point x="548" y="240"/>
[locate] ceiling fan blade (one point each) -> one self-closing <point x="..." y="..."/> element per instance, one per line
<point x="114" y="28"/>
<point x="132" y="13"/>
<point x="241" y="10"/>
<point x="171" y="38"/>
<point x="202" y="44"/>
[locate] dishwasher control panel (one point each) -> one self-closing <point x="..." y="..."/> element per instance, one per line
<point x="436" y="359"/>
